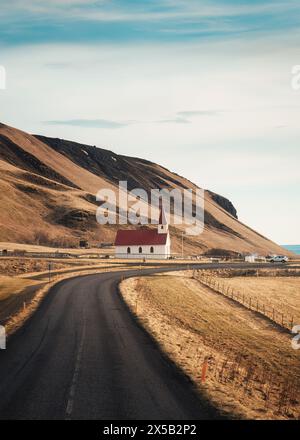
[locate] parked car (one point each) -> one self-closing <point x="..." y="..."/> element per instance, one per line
<point x="279" y="259"/>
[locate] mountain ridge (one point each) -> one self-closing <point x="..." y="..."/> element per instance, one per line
<point x="48" y="188"/>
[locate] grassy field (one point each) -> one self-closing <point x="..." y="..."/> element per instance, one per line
<point x="280" y="292"/>
<point x="24" y="266"/>
<point x="47" y="249"/>
<point x="14" y="292"/>
<point x="13" y="286"/>
<point x="191" y="322"/>
<point x="12" y="266"/>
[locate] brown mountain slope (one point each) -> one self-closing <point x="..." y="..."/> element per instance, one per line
<point x="48" y="188"/>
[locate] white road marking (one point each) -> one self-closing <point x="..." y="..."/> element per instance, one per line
<point x="73" y="386"/>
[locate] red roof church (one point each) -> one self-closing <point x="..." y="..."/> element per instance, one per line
<point x="144" y="243"/>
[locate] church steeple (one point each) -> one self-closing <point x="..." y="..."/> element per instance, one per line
<point x="163" y="226"/>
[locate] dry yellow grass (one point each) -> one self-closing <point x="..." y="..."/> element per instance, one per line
<point x="14" y="293"/>
<point x="13" y="286"/>
<point x="282" y="293"/>
<point x="191" y="322"/>
<point x="47" y="249"/>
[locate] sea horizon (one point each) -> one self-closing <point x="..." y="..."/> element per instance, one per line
<point x="292" y="247"/>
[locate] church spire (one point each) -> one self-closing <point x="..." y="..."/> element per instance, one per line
<point x="162" y="222"/>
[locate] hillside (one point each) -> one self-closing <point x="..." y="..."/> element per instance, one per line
<point x="48" y="188"/>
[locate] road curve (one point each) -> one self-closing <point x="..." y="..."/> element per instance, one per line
<point x="82" y="356"/>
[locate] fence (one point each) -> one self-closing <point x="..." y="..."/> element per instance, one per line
<point x="277" y="316"/>
<point x="279" y="394"/>
<point x="207" y="360"/>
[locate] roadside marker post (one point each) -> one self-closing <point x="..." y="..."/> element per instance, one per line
<point x="2" y="338"/>
<point x="50" y="267"/>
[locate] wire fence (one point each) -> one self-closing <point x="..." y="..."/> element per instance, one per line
<point x="281" y="395"/>
<point x="250" y="378"/>
<point x="251" y="303"/>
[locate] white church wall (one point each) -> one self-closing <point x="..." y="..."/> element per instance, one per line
<point x="159" y="252"/>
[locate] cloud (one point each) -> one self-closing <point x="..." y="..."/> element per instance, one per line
<point x="183" y="117"/>
<point x="90" y="123"/>
<point x="192" y="113"/>
<point x="163" y="10"/>
<point x="105" y="123"/>
<point x="246" y="83"/>
<point x="123" y="20"/>
<point x="177" y="120"/>
<point x="110" y="124"/>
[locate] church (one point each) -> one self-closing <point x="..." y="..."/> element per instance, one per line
<point x="145" y="243"/>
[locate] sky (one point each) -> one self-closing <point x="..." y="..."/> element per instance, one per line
<point x="201" y="87"/>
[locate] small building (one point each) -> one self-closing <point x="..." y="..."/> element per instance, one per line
<point x="254" y="258"/>
<point x="250" y="258"/>
<point x="144" y="243"/>
<point x="84" y="244"/>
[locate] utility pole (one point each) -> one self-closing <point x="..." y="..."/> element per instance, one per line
<point x="182" y="244"/>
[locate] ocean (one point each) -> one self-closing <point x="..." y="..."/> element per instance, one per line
<point x="292" y="247"/>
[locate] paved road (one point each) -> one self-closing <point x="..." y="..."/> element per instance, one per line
<point x="82" y="356"/>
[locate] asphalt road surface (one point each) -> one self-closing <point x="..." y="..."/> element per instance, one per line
<point x="83" y="356"/>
